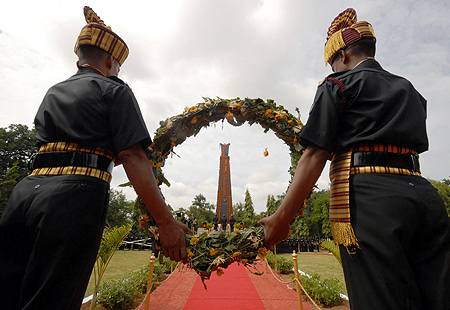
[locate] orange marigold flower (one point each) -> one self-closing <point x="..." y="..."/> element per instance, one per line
<point x="290" y="122"/>
<point x="157" y="247"/>
<point x="213" y="252"/>
<point x="263" y="252"/>
<point x="290" y="232"/>
<point x="229" y="115"/>
<point x="159" y="165"/>
<point x="220" y="272"/>
<point x="194" y="241"/>
<point x="237" y="231"/>
<point x="299" y="122"/>
<point x="295" y="141"/>
<point x="236" y="255"/>
<point x="278" y="116"/>
<point x="191" y="254"/>
<point x="193" y="109"/>
<point x="141" y="226"/>
<point x="269" y="112"/>
<point x="266" y="152"/>
<point x="141" y="221"/>
<point x="159" y="154"/>
<point x="194" y="120"/>
<point x="145" y="217"/>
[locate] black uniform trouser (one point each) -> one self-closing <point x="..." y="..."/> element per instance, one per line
<point x="404" y="233"/>
<point x="50" y="232"/>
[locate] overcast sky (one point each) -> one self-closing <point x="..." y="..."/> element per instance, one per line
<point x="181" y="51"/>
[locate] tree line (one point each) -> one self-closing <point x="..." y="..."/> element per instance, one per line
<point x="17" y="145"/>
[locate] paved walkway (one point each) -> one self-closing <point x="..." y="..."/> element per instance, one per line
<point x="236" y="289"/>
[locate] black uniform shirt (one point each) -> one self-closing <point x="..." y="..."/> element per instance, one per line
<point x="377" y="107"/>
<point x="91" y="110"/>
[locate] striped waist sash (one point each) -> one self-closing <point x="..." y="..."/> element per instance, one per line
<point x="65" y="147"/>
<point x="340" y="171"/>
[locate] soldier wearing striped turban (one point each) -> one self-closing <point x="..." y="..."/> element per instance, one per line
<point x="52" y="226"/>
<point x="390" y="223"/>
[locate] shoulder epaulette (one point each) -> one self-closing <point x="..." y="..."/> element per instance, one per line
<point x="340" y="85"/>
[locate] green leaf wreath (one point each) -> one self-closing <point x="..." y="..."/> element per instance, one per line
<point x="240" y="246"/>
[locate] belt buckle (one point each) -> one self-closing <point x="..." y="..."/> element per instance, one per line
<point x="413" y="157"/>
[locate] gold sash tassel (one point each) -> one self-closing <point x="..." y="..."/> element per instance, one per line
<point x="340" y="172"/>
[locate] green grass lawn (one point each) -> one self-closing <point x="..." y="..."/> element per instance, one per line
<point x="124" y="262"/>
<point x="327" y="266"/>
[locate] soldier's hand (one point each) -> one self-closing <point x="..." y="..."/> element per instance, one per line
<point x="173" y="241"/>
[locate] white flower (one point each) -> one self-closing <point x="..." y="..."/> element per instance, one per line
<point x="218" y="260"/>
<point x="255" y="241"/>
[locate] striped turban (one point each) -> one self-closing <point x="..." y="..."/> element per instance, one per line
<point x="96" y="33"/>
<point x="344" y="30"/>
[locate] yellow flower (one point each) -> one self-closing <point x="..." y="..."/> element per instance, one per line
<point x="151" y="163"/>
<point x="290" y="122"/>
<point x="193" y="109"/>
<point x="220" y="272"/>
<point x="159" y="165"/>
<point x="229" y="115"/>
<point x="194" y="120"/>
<point x="266" y="152"/>
<point x="237" y="231"/>
<point x="191" y="254"/>
<point x="295" y="141"/>
<point x="278" y="117"/>
<point x="141" y="221"/>
<point x="236" y="255"/>
<point x="245" y="261"/>
<point x="194" y="241"/>
<point x="263" y="252"/>
<point x="299" y="122"/>
<point x="269" y="112"/>
<point x="146" y="218"/>
<point x="213" y="252"/>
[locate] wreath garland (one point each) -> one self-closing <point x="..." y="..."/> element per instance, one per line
<point x="208" y="252"/>
<point x="174" y="131"/>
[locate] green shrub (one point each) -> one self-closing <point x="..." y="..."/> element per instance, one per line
<point x="324" y="291"/>
<point x="117" y="294"/>
<point x="284" y="265"/>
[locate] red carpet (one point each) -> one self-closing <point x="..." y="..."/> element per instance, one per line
<point x="237" y="288"/>
<point x="234" y="289"/>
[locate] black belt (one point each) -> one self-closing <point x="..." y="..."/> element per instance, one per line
<point x="405" y="161"/>
<point x="76" y="159"/>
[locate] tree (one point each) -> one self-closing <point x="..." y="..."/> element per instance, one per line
<point x="17" y="144"/>
<point x="315" y="219"/>
<point x="201" y="209"/>
<point x="271" y="206"/>
<point x="7" y="184"/>
<point x="120" y="210"/>
<point x="443" y="188"/>
<point x="249" y="211"/>
<point x="238" y="212"/>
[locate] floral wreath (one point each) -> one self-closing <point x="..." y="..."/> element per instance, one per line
<point x="214" y="251"/>
<point x="174" y="131"/>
